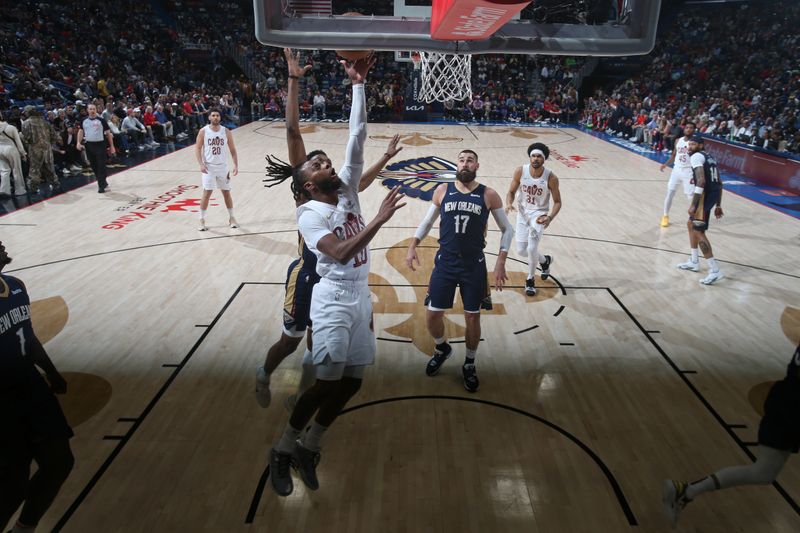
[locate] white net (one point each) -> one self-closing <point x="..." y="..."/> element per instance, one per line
<point x="445" y="77"/>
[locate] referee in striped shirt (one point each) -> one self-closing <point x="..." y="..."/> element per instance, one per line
<point x="96" y="136"/>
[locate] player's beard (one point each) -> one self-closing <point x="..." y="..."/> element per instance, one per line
<point x="465" y="176"/>
<point x="329" y="186"/>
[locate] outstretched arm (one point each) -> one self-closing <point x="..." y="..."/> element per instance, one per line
<point x="297" y="150"/>
<point x="495" y="205"/>
<point x="512" y="189"/>
<point x="372" y="172"/>
<point x="425" y="226"/>
<point x="354" y="156"/>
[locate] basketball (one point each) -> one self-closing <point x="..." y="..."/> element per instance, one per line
<point x="353" y="55"/>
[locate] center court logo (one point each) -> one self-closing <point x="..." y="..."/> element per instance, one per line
<point x="418" y="178"/>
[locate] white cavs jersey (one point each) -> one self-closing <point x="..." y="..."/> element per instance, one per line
<point x="215" y="151"/>
<point x="682" y="163"/>
<point x="534" y="198"/>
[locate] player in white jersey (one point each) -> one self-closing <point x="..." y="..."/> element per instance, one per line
<point x="341" y="309"/>
<point x="538" y="185"/>
<point x="681" y="171"/>
<point x="210" y="151"/>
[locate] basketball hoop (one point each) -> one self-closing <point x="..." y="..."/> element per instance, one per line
<point x="444" y="76"/>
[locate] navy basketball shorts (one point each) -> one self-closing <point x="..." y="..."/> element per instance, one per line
<point x="297" y="304"/>
<point x="705" y="210"/>
<point x="451" y="271"/>
<point x="780" y="427"/>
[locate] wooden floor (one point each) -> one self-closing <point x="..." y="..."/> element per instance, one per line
<point x="622" y="372"/>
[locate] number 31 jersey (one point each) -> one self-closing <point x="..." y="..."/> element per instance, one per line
<point x="534" y="197"/>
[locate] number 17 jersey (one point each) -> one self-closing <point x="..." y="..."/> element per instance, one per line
<point x="462" y="229"/>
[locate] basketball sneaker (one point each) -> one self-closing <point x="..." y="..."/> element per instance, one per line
<point x="664" y="221"/>
<point x="202" y="226"/>
<point x="689" y="265"/>
<point x="530" y="288"/>
<point x="233" y="223"/>
<point x="712" y="278"/>
<point x="305" y="462"/>
<point x="263" y="395"/>
<point x="280" y="474"/>
<point x="548" y="260"/>
<point x="439" y="357"/>
<point x="471" y="382"/>
<point x="674" y="499"/>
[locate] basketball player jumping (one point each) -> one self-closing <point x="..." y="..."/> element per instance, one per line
<point x="210" y="151"/>
<point x="538" y="184"/>
<point x="33" y="424"/>
<point x="341" y="309"/>
<point x="681" y="172"/>
<point x="302" y="274"/>
<point x="464" y="207"/>
<point x="778" y="438"/>
<point x="707" y="194"/>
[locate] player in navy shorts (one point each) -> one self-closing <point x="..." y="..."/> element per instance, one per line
<point x="778" y="438"/>
<point x="464" y="207"/>
<point x="33" y="425"/>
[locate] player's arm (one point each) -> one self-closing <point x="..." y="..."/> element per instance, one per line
<point x="354" y="155"/>
<point x="512" y="189"/>
<point x="344" y="250"/>
<point x="495" y="205"/>
<point x="372" y="172"/>
<point x="232" y="148"/>
<point x="671" y="157"/>
<point x="425" y="226"/>
<point x="718" y="210"/>
<point x="297" y="149"/>
<point x="79" y="141"/>
<point x="555" y="194"/>
<point x="699" y="185"/>
<point x="198" y="150"/>
<point x="37" y="354"/>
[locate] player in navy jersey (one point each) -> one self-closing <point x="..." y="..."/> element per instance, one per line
<point x="302" y="273"/>
<point x="707" y="196"/>
<point x="778" y="438"/>
<point x="464" y="207"/>
<point x="33" y="425"/>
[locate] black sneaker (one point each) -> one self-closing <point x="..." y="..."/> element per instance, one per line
<point x="486" y="303"/>
<point x="280" y="473"/>
<point x="530" y="288"/>
<point x="548" y="260"/>
<point x="471" y="382"/>
<point x="439" y="357"/>
<point x="305" y="462"/>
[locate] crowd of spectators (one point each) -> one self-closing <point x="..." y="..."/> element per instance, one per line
<point x="734" y="71"/>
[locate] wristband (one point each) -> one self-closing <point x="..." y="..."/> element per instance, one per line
<point x="294" y="77"/>
<point x="698" y="190"/>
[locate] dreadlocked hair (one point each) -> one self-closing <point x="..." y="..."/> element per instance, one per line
<point x="279" y="171"/>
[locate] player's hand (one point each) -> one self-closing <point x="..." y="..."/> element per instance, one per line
<point x="293" y="62"/>
<point x="79" y="146"/>
<point x="57" y="384"/>
<point x="111" y="150"/>
<point x="691" y="210"/>
<point x="389" y="205"/>
<point x="203" y="168"/>
<point x="357" y="70"/>
<point x="510" y="209"/>
<point x="718" y="212"/>
<point x="392" y="150"/>
<point x="544" y="220"/>
<point x="412" y="256"/>
<point x="500" y="276"/>
<point x="235" y="170"/>
<point x="663" y="166"/>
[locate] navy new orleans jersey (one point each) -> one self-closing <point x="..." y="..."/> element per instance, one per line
<point x="307" y="257"/>
<point x="462" y="230"/>
<point x="711" y="172"/>
<point x="16" y="332"/>
<point x="793" y="370"/>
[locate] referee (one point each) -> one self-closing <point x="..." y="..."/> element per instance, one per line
<point x="96" y="133"/>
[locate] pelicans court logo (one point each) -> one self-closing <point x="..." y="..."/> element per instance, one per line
<point x="419" y="177"/>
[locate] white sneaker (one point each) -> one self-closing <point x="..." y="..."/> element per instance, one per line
<point x="263" y="395"/>
<point x="233" y="223"/>
<point x="202" y="226"/>
<point x="689" y="265"/>
<point x="712" y="278"/>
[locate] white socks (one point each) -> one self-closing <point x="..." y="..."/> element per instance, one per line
<point x="695" y="255"/>
<point x="202" y="214"/>
<point x="764" y="471"/>
<point x="712" y="264"/>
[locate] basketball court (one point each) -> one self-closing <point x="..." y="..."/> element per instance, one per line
<point x="621" y="372"/>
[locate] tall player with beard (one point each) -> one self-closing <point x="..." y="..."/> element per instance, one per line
<point x="538" y="184"/>
<point x="34" y="426"/>
<point x="341" y="309"/>
<point x="464" y="207"/>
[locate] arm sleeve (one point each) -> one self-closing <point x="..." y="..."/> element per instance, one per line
<point x="312" y="227"/>
<point x="105" y="125"/>
<point x="354" y="156"/>
<point x="697" y="160"/>
<point x="427" y="223"/>
<point x="504" y="224"/>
